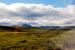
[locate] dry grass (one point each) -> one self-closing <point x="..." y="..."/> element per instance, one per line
<point x="31" y="39"/>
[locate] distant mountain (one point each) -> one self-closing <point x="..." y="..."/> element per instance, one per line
<point x="5" y="25"/>
<point x="43" y="27"/>
<point x="51" y="27"/>
<point x="69" y="27"/>
<point x="58" y="27"/>
<point x="26" y="25"/>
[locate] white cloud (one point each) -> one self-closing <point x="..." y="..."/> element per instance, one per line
<point x="38" y="14"/>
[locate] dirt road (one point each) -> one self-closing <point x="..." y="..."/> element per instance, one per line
<point x="66" y="40"/>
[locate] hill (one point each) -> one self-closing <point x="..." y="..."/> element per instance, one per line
<point x="31" y="38"/>
<point x="35" y="38"/>
<point x="6" y="28"/>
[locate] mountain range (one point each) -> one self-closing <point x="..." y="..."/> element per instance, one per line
<point x="25" y="26"/>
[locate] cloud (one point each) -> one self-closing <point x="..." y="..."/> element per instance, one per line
<point x="37" y="14"/>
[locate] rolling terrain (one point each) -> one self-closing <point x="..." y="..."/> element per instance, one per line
<point x="33" y="38"/>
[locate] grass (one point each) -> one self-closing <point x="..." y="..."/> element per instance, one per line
<point x="30" y="39"/>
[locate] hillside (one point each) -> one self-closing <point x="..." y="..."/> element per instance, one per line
<point x="29" y="39"/>
<point x="35" y="38"/>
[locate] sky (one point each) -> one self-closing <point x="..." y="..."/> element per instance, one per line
<point x="37" y="12"/>
<point x="56" y="3"/>
<point x="73" y="2"/>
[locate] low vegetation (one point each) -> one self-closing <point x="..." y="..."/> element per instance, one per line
<point x="29" y="39"/>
